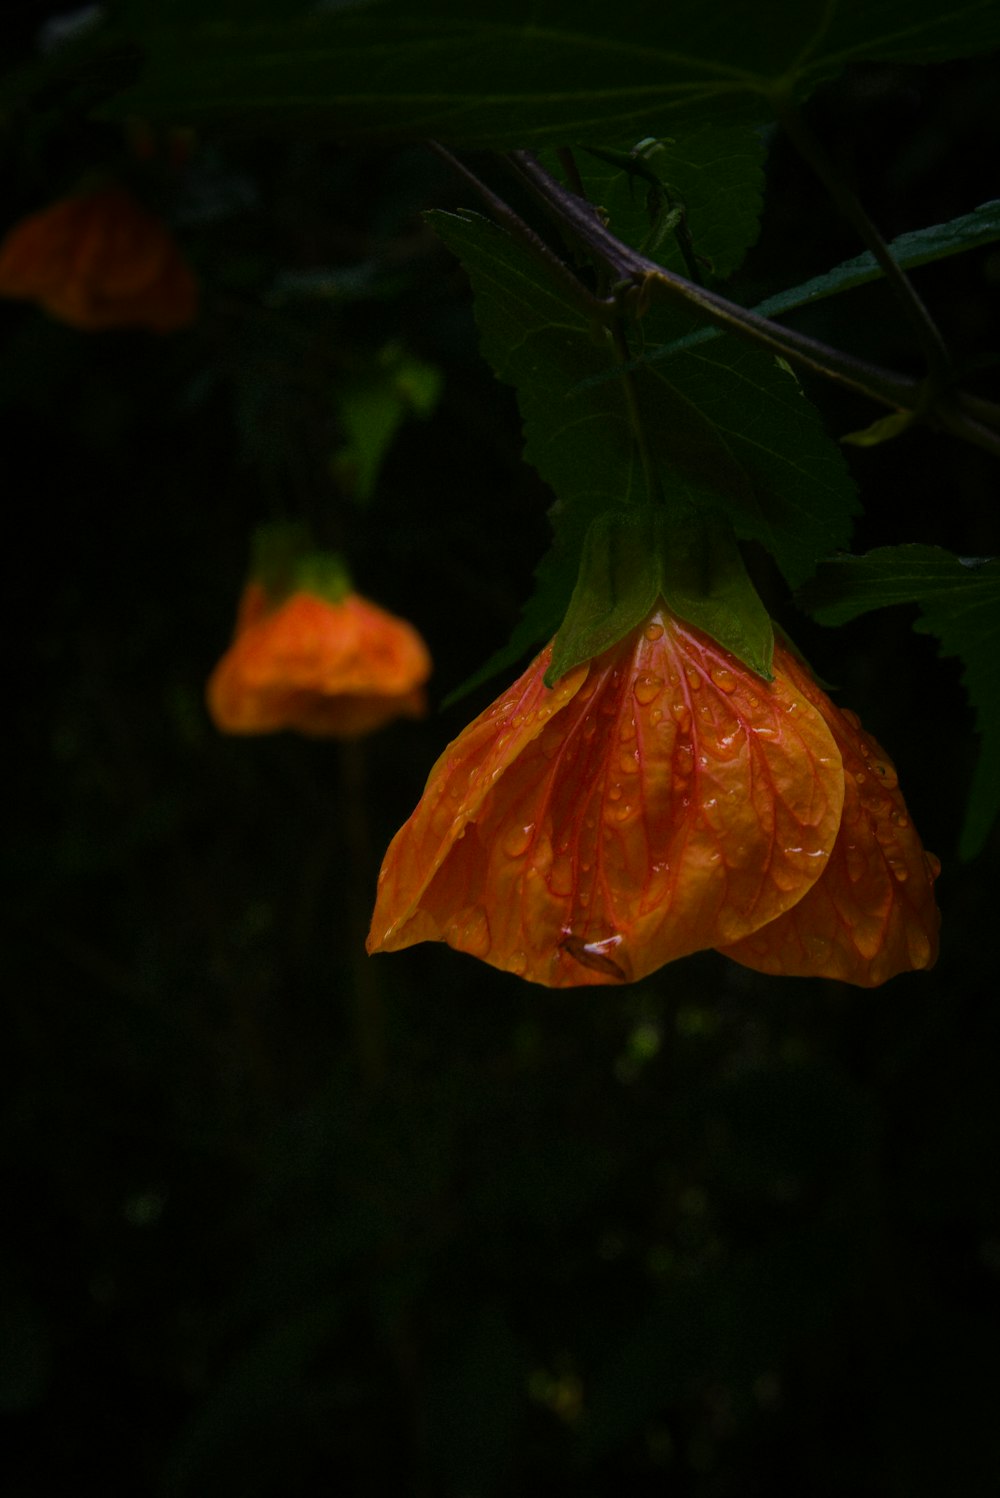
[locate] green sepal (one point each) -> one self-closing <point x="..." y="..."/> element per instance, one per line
<point x="632" y="558"/>
<point x="285" y="560"/>
<point x="706" y="583"/>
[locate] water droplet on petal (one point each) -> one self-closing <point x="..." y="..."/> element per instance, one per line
<point x="933" y="865"/>
<point x="654" y="631"/>
<point x="647" y="688"/>
<point x="518" y="963"/>
<point x="560" y="877"/>
<point x="723" y="679"/>
<point x="627" y="731"/>
<point x="899" y="871"/>
<point x="886" y="773"/>
<point x="629" y="763"/>
<point x="615" y="793"/>
<point x="471" y="932"/>
<point x="918" y="946"/>
<point x="693" y="678"/>
<point x="518" y="840"/>
<point x="899" y="819"/>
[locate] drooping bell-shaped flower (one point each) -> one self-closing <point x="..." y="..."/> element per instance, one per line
<point x="99" y="259"/>
<point x="310" y="655"/>
<point x="657" y="799"/>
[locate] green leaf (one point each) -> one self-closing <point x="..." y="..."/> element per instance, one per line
<point x="916" y="248"/>
<point x="735" y="407"/>
<point x="959" y="601"/>
<point x="715" y="173"/>
<point x="728" y="429"/>
<point x="530" y="72"/>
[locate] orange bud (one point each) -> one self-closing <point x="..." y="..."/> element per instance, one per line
<point x="316" y="667"/>
<point x="662" y="798"/>
<point x="100" y="260"/>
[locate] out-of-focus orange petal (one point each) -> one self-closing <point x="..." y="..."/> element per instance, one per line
<point x="100" y="260"/>
<point x="872" y="914"/>
<point x="659" y="800"/>
<point x="317" y="667"/>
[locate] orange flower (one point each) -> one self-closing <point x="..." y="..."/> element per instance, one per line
<point x="100" y="260"/>
<point x="320" y="668"/>
<point x="661" y="799"/>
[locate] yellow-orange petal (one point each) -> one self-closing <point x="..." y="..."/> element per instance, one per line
<point x="872" y="915"/>
<point x="319" y="668"/>
<point x="661" y="799"/>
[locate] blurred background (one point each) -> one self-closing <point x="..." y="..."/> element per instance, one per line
<point x="711" y="1234"/>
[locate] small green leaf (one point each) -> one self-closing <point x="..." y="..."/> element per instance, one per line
<point x="882" y="430"/>
<point x="959" y="601"/>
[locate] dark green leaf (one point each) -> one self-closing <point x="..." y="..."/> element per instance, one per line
<point x="521" y="73"/>
<point x="959" y="600"/>
<point x="729" y="430"/>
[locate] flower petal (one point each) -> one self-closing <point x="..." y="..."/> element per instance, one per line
<point x="316" y="667"/>
<point x="660" y="800"/>
<point x="100" y="260"/>
<point x="872" y="914"/>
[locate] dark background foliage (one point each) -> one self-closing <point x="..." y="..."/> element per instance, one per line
<point x="709" y="1235"/>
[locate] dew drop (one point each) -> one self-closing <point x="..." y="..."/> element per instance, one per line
<point x="518" y="840"/>
<point x="886" y="773"/>
<point x="518" y="963"/>
<point x="933" y="865"/>
<point x="629" y="763"/>
<point x="615" y="793"/>
<point x="627" y="731"/>
<point x="900" y="819"/>
<point x="654" y="631"/>
<point x="471" y="932"/>
<point x="918" y="946"/>
<point x="899" y="871"/>
<point x="682" y="715"/>
<point x="723" y="679"/>
<point x="656" y="716"/>
<point x="693" y="678"/>
<point x="647" y="688"/>
<point x="560" y="879"/>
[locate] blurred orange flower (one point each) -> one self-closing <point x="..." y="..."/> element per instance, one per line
<point x="100" y="260"/>
<point x="661" y="799"/>
<point x="326" y="669"/>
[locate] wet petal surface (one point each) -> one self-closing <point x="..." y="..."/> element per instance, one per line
<point x="661" y="799"/>
<point x="872" y="915"/>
